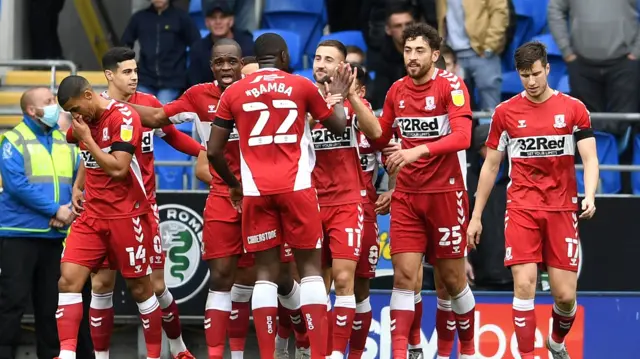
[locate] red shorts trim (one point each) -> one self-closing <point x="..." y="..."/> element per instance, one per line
<point x="342" y="230"/>
<point x="547" y="238"/>
<point x="370" y="251"/>
<point x="126" y="242"/>
<point x="431" y="223"/>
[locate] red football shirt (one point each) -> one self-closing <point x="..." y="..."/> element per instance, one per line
<point x="105" y="196"/>
<point x="540" y="144"/>
<point x="337" y="176"/>
<point x="369" y="160"/>
<point x="436" y="114"/>
<point x="199" y="104"/>
<point x="269" y="108"/>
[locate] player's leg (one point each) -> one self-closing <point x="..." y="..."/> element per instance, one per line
<point x="302" y="230"/>
<point x="85" y="250"/>
<point x="365" y="270"/>
<point x="262" y="235"/>
<point x="561" y="252"/>
<point x="415" y="334"/>
<point x="289" y="311"/>
<point x="101" y="313"/>
<point x="241" y="305"/>
<point x="345" y="237"/>
<point x="327" y="275"/>
<point x="407" y="249"/>
<point x="523" y="243"/>
<point x="445" y="319"/>
<point x="130" y="249"/>
<point x="447" y="216"/>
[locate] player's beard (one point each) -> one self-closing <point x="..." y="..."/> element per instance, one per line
<point x="322" y="79"/>
<point x="419" y="72"/>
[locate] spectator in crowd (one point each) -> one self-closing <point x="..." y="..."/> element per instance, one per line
<point x="355" y="55"/>
<point x="244" y="10"/>
<point x="219" y="19"/>
<point x="475" y="30"/>
<point x="38" y="168"/>
<point x="451" y="61"/>
<point x="601" y="52"/>
<point x="390" y="67"/>
<point x="164" y="33"/>
<point x="43" y="28"/>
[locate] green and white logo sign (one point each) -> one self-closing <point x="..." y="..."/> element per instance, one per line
<point x="181" y="230"/>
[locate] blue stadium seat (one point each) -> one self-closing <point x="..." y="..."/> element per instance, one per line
<point x="195" y="6"/>
<point x="525" y="30"/>
<point x="607" y="147"/>
<point x="308" y="73"/>
<point x="540" y="16"/>
<point x="204" y="32"/>
<point x="195" y="13"/>
<point x="635" y="176"/>
<point x="372" y="75"/>
<point x="558" y="66"/>
<point x="293" y="42"/>
<point x="511" y="84"/>
<point x="563" y="85"/>
<point x="353" y="38"/>
<point x="169" y="177"/>
<point x="306" y="18"/>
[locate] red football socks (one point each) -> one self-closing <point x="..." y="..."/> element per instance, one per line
<point x="416" y="327"/>
<point x="239" y="318"/>
<point x="216" y="321"/>
<point x="402" y="307"/>
<point x="343" y="313"/>
<point x="562" y="322"/>
<point x="464" y="309"/>
<point x="313" y="302"/>
<point x="68" y="317"/>
<point x="445" y="327"/>
<point x="265" y="311"/>
<point x="151" y="317"/>
<point x="524" y="321"/>
<point x="360" y="332"/>
<point x="101" y="317"/>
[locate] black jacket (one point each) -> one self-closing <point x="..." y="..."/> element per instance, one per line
<point x="389" y="67"/>
<point x="164" y="38"/>
<point x="200" y="56"/>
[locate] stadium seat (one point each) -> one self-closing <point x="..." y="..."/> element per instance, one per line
<point x="635" y="176"/>
<point x="563" y="85"/>
<point x="540" y="16"/>
<point x="348" y="38"/>
<point x="195" y="6"/>
<point x="306" y="18"/>
<point x="558" y="66"/>
<point x="372" y="75"/>
<point x="308" y="73"/>
<point x="293" y="42"/>
<point x="511" y="84"/>
<point x="525" y="30"/>
<point x="610" y="181"/>
<point x="43" y="78"/>
<point x="195" y="13"/>
<point x="169" y="177"/>
<point x="204" y="32"/>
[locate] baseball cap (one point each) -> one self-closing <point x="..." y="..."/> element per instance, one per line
<point x="219" y="5"/>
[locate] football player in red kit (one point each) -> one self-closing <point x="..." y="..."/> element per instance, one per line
<point x="430" y="109"/>
<point x="337" y="179"/>
<point x="229" y="289"/>
<point x="121" y="71"/>
<point x="539" y="129"/>
<point x="117" y="219"/>
<point x="280" y="206"/>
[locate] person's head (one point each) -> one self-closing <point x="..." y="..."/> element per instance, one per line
<point x="226" y="62"/>
<point x="250" y="65"/>
<point x="329" y="54"/>
<point x="355" y="55"/>
<point x="121" y="69"/>
<point x="271" y="51"/>
<point x="450" y="58"/>
<point x="75" y="95"/>
<point x="421" y="49"/>
<point x="533" y="67"/>
<point x="219" y="18"/>
<point x="361" y="79"/>
<point x="399" y="16"/>
<point x="39" y="103"/>
<point x="160" y="4"/>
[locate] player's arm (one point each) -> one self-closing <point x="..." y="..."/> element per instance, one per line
<point x="367" y="122"/>
<point x="335" y="121"/>
<point x="116" y="163"/>
<point x="202" y="168"/>
<point x="586" y="144"/>
<point x="152" y="117"/>
<point x="78" y="184"/>
<point x="220" y="131"/>
<point x="181" y="141"/>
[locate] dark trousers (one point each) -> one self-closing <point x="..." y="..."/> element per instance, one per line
<point x="29" y="271"/>
<point x="43" y="28"/>
<point x="610" y="86"/>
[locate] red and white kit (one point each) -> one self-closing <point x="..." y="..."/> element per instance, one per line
<point x="541" y="225"/>
<point x="117" y="220"/>
<point x="338" y="180"/>
<point x="429" y="208"/>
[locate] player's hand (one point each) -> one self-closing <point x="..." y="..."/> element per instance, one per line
<point x="77" y="201"/>
<point x="64" y="214"/>
<point x="353" y="89"/>
<point x="473" y="232"/>
<point x="383" y="204"/>
<point x="341" y="81"/>
<point x="588" y="208"/>
<point x="401" y="158"/>
<point x="468" y="269"/>
<point x="391" y="148"/>
<point x="80" y="128"/>
<point x="55" y="223"/>
<point x="235" y="195"/>
<point x="333" y="99"/>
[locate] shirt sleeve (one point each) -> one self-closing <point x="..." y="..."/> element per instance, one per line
<point x="583" y="117"/>
<point x="223" y="111"/>
<point x="126" y="129"/>
<point x="181" y="110"/>
<point x="387" y="119"/>
<point x="316" y="104"/>
<point x="496" y="139"/>
<point x="16" y="183"/>
<point x="181" y="141"/>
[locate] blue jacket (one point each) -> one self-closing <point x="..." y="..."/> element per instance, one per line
<point x="164" y="39"/>
<point x="29" y="205"/>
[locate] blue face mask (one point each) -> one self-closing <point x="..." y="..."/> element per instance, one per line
<point x="51" y="114"/>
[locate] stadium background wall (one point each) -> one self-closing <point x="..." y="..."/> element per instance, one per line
<point x="609" y="281"/>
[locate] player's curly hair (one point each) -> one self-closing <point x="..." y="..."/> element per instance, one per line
<point x="527" y="55"/>
<point x="428" y="33"/>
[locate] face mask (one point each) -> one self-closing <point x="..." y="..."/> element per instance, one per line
<point x="51" y="114"/>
